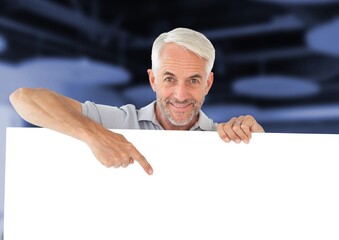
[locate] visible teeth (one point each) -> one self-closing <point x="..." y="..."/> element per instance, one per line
<point x="180" y="106"/>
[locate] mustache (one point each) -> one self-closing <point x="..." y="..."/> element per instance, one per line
<point x="176" y="101"/>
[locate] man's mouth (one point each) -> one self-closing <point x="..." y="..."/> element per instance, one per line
<point x="180" y="105"/>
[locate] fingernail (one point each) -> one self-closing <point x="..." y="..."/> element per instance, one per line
<point x="150" y="172"/>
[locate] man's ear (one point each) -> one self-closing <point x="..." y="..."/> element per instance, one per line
<point x="209" y="84"/>
<point x="151" y="79"/>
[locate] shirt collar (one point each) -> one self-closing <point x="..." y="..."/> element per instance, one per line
<point x="147" y="113"/>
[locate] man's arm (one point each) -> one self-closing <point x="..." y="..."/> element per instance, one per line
<point x="49" y="109"/>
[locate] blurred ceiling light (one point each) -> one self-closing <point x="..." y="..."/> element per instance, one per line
<point x="73" y="70"/>
<point x="140" y="95"/>
<point x="224" y="112"/>
<point x="97" y="94"/>
<point x="325" y="38"/>
<point x="3" y="44"/>
<point x="8" y="77"/>
<point x="275" y="87"/>
<point x="296" y="2"/>
<point x="320" y="112"/>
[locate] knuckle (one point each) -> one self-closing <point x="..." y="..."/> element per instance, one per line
<point x="236" y="127"/>
<point x="233" y="119"/>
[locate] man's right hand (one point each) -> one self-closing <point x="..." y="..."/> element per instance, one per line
<point x="114" y="150"/>
<point x="48" y="109"/>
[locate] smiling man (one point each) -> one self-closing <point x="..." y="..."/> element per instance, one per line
<point x="181" y="84"/>
<point x="181" y="76"/>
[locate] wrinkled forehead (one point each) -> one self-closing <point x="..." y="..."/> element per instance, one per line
<point x="178" y="57"/>
<point x="176" y="50"/>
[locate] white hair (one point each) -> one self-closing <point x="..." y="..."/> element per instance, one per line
<point x="191" y="40"/>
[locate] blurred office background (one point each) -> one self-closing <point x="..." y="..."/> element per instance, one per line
<point x="277" y="60"/>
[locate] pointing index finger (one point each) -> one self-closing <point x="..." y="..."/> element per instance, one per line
<point x="143" y="163"/>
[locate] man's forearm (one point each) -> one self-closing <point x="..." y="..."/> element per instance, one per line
<point x="44" y="108"/>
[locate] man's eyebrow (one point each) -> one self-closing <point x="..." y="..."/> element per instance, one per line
<point x="196" y="76"/>
<point x="168" y="73"/>
<point x="190" y="77"/>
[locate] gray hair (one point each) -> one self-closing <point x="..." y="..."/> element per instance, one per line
<point x="191" y="40"/>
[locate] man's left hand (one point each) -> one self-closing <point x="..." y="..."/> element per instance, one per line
<point x="239" y="129"/>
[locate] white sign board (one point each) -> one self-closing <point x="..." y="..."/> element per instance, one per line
<point x="279" y="186"/>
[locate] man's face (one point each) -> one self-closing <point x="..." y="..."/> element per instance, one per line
<point x="181" y="84"/>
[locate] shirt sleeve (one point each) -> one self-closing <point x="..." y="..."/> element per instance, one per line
<point x="110" y="116"/>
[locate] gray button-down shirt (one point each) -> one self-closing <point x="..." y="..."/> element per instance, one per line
<point x="128" y="117"/>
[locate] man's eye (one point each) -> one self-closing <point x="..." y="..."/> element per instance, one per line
<point x="194" y="81"/>
<point x="169" y="79"/>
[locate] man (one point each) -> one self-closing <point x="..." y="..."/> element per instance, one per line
<point x="181" y="76"/>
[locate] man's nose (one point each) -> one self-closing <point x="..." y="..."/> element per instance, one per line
<point x="181" y="92"/>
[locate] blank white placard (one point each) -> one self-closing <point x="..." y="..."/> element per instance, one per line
<point x="280" y="186"/>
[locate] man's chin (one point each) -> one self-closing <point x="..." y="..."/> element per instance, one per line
<point x="180" y="122"/>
